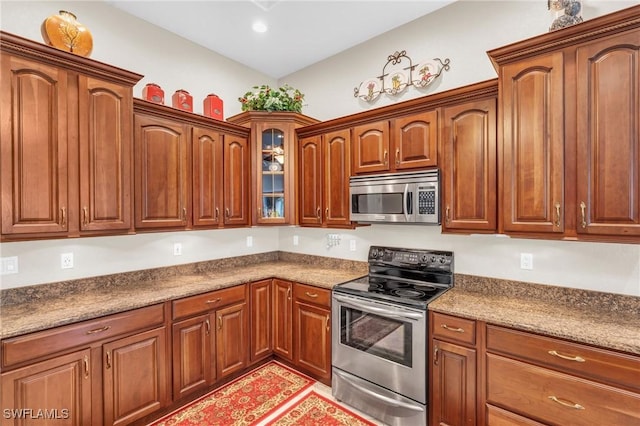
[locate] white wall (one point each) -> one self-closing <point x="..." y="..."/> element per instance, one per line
<point x="462" y="32"/>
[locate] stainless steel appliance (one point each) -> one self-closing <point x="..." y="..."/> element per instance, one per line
<point x="396" y="198"/>
<point x="379" y="340"/>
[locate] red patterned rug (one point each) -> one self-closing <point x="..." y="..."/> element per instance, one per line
<point x="244" y="401"/>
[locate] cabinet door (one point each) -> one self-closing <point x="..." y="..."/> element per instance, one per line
<point x="311" y="185"/>
<point x="282" y="319"/>
<point x="469" y="167"/>
<point x="207" y="177"/>
<point x="161" y="173"/>
<point x="608" y="136"/>
<point x="231" y="340"/>
<point x="415" y="140"/>
<point x="61" y="386"/>
<point x="531" y="94"/>
<point x="312" y="339"/>
<point x="193" y="355"/>
<point x="261" y="320"/>
<point x="236" y="181"/>
<point x="136" y="377"/>
<point x="34" y="144"/>
<point x="106" y="151"/>
<point x="371" y="147"/>
<point x="453" y="385"/>
<point x="336" y="178"/>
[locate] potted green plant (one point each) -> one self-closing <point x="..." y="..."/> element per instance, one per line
<point x="264" y="98"/>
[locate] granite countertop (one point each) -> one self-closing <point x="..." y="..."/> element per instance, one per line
<point x="600" y="319"/>
<point x="43" y="308"/>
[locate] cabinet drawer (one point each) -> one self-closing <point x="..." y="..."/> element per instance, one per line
<point x="592" y="363"/>
<point x="35" y="345"/>
<point x="499" y="417"/>
<point x="311" y="294"/>
<point x="453" y="329"/>
<point x="557" y="398"/>
<point x="207" y="301"/>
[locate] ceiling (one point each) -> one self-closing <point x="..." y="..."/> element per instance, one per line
<point x="300" y="32"/>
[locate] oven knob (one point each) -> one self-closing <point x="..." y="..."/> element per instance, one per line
<point x="433" y="259"/>
<point x="374" y="253"/>
<point x="442" y="260"/>
<point x="424" y="258"/>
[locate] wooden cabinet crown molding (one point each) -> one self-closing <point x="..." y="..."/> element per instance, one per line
<point x="19" y="46"/>
<point x="248" y="117"/>
<point x="602" y="26"/>
<point x="486" y="88"/>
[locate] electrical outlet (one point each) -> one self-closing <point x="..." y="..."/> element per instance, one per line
<point x="352" y="245"/>
<point x="9" y="265"/>
<point x="526" y="261"/>
<point x="296" y="240"/>
<point x="249" y="241"/>
<point x="177" y="249"/>
<point x="66" y="260"/>
<point x="333" y="240"/>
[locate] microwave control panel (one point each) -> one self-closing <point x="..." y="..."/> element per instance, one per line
<point x="426" y="201"/>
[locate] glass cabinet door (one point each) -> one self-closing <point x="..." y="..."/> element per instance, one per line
<point x="272" y="176"/>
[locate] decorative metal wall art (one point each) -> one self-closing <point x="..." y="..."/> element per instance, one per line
<point x="398" y="77"/>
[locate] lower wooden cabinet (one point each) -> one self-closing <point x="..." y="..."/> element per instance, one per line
<point x="231" y="339"/>
<point x="194" y="365"/>
<point x="261" y="328"/>
<point x="282" y="319"/>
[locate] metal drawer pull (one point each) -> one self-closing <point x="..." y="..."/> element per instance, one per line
<point x="567" y="357"/>
<point x="314" y="295"/>
<point x="99" y="330"/>
<point x="456" y="329"/>
<point x="214" y="300"/>
<point x="566" y="404"/>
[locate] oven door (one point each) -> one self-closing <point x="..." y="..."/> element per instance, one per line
<point x="380" y="202"/>
<point x="382" y="343"/>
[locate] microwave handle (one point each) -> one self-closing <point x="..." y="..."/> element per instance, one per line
<point x="405" y="204"/>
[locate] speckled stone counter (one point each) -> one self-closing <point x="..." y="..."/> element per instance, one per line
<point x="600" y="319"/>
<point x="28" y="309"/>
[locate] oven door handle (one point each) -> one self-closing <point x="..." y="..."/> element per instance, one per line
<point x="386" y="399"/>
<point x="375" y="310"/>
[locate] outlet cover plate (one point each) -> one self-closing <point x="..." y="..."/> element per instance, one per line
<point x="66" y="260"/>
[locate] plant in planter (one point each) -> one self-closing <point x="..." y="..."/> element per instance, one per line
<point x="264" y="98"/>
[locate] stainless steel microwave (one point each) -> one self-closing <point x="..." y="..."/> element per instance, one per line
<point x="412" y="197"/>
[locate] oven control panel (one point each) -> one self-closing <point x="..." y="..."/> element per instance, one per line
<point x="435" y="259"/>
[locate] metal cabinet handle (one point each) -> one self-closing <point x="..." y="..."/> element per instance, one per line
<point x="289" y="293"/>
<point x="326" y="213"/>
<point x="217" y="214"/>
<point x="84" y="216"/>
<point x="216" y="300"/>
<point x="446" y="215"/>
<point x="313" y="295"/>
<point x="99" y="330"/>
<point x="86" y="367"/>
<point x="226" y="211"/>
<point x="435" y="355"/>
<point x="557" y="205"/>
<point x="63" y="219"/>
<point x="567" y="404"/>
<point x="219" y="322"/>
<point x="108" y="360"/>
<point x="386" y="158"/>
<point x="207" y="325"/>
<point x="328" y="322"/>
<point x="259" y="212"/>
<point x="397" y="157"/>
<point x="567" y="357"/>
<point x="318" y="214"/>
<point x="583" y="206"/>
<point x="455" y="329"/>
<point x="184" y="214"/>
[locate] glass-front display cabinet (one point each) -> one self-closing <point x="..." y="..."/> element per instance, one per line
<point x="274" y="147"/>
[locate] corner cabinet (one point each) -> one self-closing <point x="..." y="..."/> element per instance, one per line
<point x="274" y="149"/>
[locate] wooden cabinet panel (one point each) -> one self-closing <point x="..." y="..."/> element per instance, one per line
<point x="34" y="147"/>
<point x="312" y="337"/>
<point x="608" y="136"/>
<point x="236" y="181"/>
<point x="468" y="163"/>
<point x="283" y="319"/>
<point x="371" y="147"/>
<point x="61" y="386"/>
<point x="533" y="144"/>
<point x="231" y="339"/>
<point x="136" y="377"/>
<point x="453" y="385"/>
<point x="415" y="140"/>
<point x="261" y="345"/>
<point x="193" y="359"/>
<point x="499" y="417"/>
<point x="454" y="329"/>
<point x="312" y="294"/>
<point x="161" y="173"/>
<point x="311" y="181"/>
<point x="106" y="151"/>
<point x="336" y="178"/>
<point x="207" y="174"/>
<point x="201" y="303"/>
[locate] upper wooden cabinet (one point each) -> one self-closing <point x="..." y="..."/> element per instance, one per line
<point x="569" y="139"/>
<point x="468" y="162"/>
<point x="274" y="146"/>
<point x="407" y="142"/>
<point x="66" y="143"/>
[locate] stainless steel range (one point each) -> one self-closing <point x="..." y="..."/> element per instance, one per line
<point x="379" y="354"/>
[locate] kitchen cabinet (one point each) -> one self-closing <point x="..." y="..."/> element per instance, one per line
<point x="568" y="108"/>
<point x="312" y="331"/>
<point x="282" y="311"/>
<point x="468" y="165"/>
<point x="324" y="166"/>
<point x="210" y="338"/>
<point x="274" y="151"/>
<point x="110" y="370"/>
<point x="453" y="370"/>
<point x="66" y="143"/>
<point x="260" y="297"/>
<point x="402" y="143"/>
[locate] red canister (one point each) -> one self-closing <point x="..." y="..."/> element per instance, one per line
<point x="182" y="100"/>
<point x="153" y="93"/>
<point x="213" y="107"/>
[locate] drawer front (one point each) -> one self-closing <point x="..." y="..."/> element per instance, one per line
<point x="205" y="302"/>
<point x="609" y="367"/>
<point x="48" y="342"/>
<point x="311" y="294"/>
<point x="453" y="329"/>
<point x="499" y="417"/>
<point x="557" y="398"/>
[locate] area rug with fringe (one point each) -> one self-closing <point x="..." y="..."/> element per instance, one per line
<point x="244" y="401"/>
